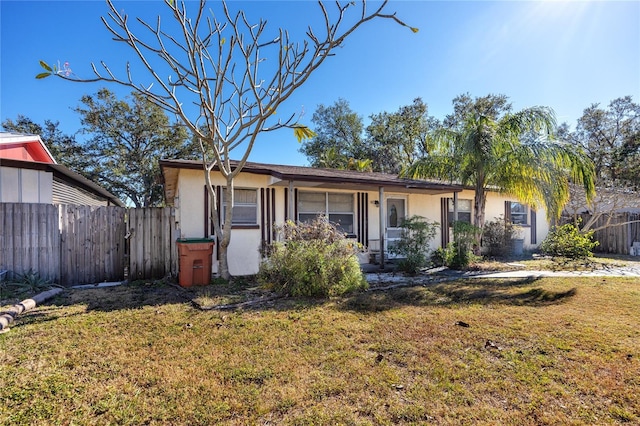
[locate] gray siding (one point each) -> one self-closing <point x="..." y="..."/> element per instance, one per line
<point x="25" y="186"/>
<point x="63" y="193"/>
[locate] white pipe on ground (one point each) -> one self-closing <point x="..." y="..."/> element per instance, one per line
<point x="10" y="315"/>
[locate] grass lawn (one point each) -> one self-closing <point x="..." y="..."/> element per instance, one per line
<point x="544" y="263"/>
<point x="548" y="351"/>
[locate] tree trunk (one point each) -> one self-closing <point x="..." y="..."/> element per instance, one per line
<point x="480" y="202"/>
<point x="223" y="262"/>
<point x="223" y="235"/>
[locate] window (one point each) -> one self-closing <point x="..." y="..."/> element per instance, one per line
<point x="245" y="207"/>
<point x="338" y="208"/>
<point x="518" y="213"/>
<point x="464" y="211"/>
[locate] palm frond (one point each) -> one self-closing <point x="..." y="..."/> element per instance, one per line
<point x="516" y="154"/>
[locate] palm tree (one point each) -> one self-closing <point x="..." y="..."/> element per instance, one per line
<point x="514" y="154"/>
<point x="332" y="158"/>
<point x="365" y="165"/>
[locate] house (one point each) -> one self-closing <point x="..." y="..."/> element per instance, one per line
<point x="30" y="174"/>
<point x="368" y="207"/>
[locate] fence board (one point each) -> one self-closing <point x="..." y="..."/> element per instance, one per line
<point x="7" y="236"/>
<point x="634" y="228"/>
<point x="92" y="242"/>
<point x="18" y="242"/>
<point x="26" y="236"/>
<point x="618" y="237"/>
<point x="31" y="228"/>
<point x="167" y="240"/>
<point x="152" y="243"/>
<point x="71" y="245"/>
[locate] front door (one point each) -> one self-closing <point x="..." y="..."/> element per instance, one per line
<point x="396" y="211"/>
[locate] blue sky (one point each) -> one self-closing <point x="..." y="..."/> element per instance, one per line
<point x="564" y="55"/>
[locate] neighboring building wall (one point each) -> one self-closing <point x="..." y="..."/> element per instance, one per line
<point x="63" y="193"/>
<point x="189" y="203"/>
<point x="17" y="152"/>
<point x="24" y="148"/>
<point x="25" y="186"/>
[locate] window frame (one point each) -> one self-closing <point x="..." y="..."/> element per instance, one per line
<point x="450" y="211"/>
<point x="328" y="212"/>
<point x="524" y="214"/>
<point x="234" y="224"/>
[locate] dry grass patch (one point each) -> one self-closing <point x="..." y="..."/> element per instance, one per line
<point x="548" y="351"/>
<point x="545" y="263"/>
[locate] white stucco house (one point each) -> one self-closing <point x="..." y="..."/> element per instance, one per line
<point x="366" y="206"/>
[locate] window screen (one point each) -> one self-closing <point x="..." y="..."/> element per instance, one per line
<point x="518" y="213"/>
<point x="245" y="208"/>
<point x="464" y="211"/>
<point x="337" y="207"/>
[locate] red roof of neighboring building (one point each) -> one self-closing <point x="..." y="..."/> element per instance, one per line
<point x="15" y="146"/>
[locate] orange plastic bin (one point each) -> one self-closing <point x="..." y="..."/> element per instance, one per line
<point x="195" y="261"/>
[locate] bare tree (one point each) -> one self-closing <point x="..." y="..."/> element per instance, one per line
<point x="603" y="209"/>
<point x="218" y="61"/>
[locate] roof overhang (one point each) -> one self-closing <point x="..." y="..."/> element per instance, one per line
<point x="301" y="177"/>
<point x="32" y="143"/>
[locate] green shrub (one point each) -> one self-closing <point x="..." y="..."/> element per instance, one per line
<point x="459" y="253"/>
<point x="413" y="245"/>
<point x="497" y="237"/>
<point x="32" y="281"/>
<point x="465" y="235"/>
<point x="312" y="259"/>
<point x="568" y="241"/>
<point x="440" y="256"/>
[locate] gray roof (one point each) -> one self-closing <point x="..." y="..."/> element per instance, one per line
<point x="318" y="177"/>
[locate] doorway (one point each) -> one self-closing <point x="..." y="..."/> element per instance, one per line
<point x="396" y="211"/>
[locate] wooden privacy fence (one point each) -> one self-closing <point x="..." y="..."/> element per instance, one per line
<point x="617" y="238"/>
<point x="152" y="236"/>
<point x="71" y="245"/>
<point x="623" y="231"/>
<point x="92" y="245"/>
<point x="30" y="239"/>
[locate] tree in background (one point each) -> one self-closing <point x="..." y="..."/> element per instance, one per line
<point x="126" y="140"/>
<point x="485" y="145"/>
<point x="391" y="141"/>
<point x="602" y="210"/>
<point x="396" y="140"/>
<point x="338" y="137"/>
<point x="611" y="138"/>
<point x="217" y="63"/>
<point x="64" y="148"/>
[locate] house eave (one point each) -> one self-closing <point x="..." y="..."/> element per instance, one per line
<point x="283" y="175"/>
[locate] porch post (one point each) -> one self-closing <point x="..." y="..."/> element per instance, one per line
<point x="383" y="225"/>
<point x="292" y="208"/>
<point x="455" y="206"/>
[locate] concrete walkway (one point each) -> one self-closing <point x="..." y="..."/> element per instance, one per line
<point x="608" y="272"/>
<point x="438" y="274"/>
